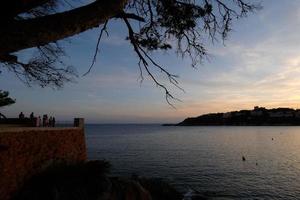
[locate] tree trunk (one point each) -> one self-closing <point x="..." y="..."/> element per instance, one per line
<point x="29" y="33"/>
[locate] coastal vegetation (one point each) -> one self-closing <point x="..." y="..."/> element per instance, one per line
<point x="259" y="116"/>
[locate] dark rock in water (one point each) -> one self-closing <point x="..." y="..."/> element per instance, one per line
<point x="160" y="190"/>
<point x="243" y="158"/>
<point x="124" y="188"/>
<point x="90" y="181"/>
<point x="192" y="194"/>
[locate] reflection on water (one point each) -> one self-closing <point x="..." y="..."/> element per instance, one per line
<point x="207" y="159"/>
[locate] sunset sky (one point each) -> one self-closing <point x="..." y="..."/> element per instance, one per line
<point x="259" y="65"/>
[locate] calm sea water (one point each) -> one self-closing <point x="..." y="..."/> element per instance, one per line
<point x="207" y="159"/>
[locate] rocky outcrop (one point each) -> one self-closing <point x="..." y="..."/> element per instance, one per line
<point x="90" y="181"/>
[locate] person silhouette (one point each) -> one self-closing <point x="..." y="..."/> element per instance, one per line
<point x="50" y="121"/>
<point x="32" y="115"/>
<point x="45" y="120"/>
<point x="40" y="121"/>
<point x="53" y="121"/>
<point x="21" y="115"/>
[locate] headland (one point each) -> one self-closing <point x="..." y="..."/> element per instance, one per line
<point x="259" y="116"/>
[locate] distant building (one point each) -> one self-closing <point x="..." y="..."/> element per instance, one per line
<point x="259" y="108"/>
<point x="258" y="111"/>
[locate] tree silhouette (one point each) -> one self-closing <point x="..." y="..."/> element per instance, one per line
<point x="5" y="100"/>
<point x="152" y="25"/>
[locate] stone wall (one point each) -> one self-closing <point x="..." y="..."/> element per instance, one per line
<point x="26" y="151"/>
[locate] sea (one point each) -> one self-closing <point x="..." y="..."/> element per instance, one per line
<point x="205" y="159"/>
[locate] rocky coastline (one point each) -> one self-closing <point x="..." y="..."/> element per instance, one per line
<point x="90" y="180"/>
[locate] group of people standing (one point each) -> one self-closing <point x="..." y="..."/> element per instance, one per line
<point x="39" y="122"/>
<point x="47" y="121"/>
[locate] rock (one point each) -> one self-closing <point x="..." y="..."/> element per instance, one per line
<point x="90" y="181"/>
<point x="243" y="158"/>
